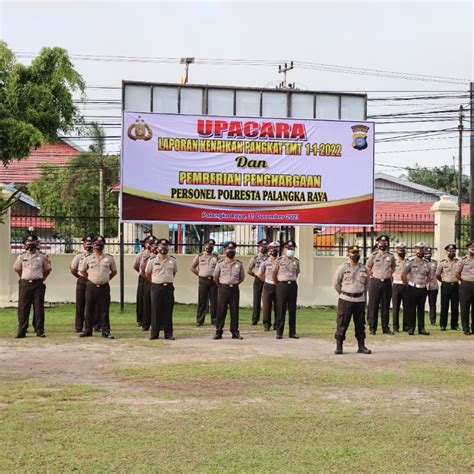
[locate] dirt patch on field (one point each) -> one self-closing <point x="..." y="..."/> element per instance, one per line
<point x="90" y="361"/>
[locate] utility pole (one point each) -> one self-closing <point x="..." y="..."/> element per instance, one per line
<point x="471" y="148"/>
<point x="186" y="62"/>
<point x="460" y="128"/>
<point x="284" y="70"/>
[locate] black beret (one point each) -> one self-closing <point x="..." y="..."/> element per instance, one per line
<point x="230" y="245"/>
<point x="262" y="242"/>
<point x="450" y="247"/>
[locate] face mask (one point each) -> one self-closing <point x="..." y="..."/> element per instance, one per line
<point x="230" y="253"/>
<point x="88" y="248"/>
<point x="274" y="253"/>
<point x="163" y="251"/>
<point x="427" y="256"/>
<point x="99" y="247"/>
<point x="383" y="246"/>
<point x="31" y="247"/>
<point x="451" y="255"/>
<point x="263" y="249"/>
<point x="209" y="249"/>
<point x="401" y="254"/>
<point x="420" y="254"/>
<point x="290" y="253"/>
<point x="355" y="258"/>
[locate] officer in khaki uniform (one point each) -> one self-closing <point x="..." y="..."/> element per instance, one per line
<point x="228" y="275"/>
<point x="254" y="267"/>
<point x="285" y="274"/>
<point x="465" y="274"/>
<point x="446" y="274"/>
<point x="203" y="267"/>
<point x="351" y="282"/>
<point x="416" y="275"/>
<point x="398" y="288"/>
<point x="269" y="288"/>
<point x="137" y="266"/>
<point x="81" y="282"/>
<point x="432" y="286"/>
<point x="33" y="267"/>
<point x="380" y="266"/>
<point x="99" y="268"/>
<point x="146" y="255"/>
<point x="160" y="272"/>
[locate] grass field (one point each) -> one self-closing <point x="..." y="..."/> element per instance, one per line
<point x="257" y="405"/>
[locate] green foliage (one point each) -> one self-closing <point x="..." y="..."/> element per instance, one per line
<point x="36" y="101"/>
<point x="443" y="178"/>
<point x="73" y="191"/>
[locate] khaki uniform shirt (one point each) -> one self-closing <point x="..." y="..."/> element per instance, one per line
<point x="136" y="263"/>
<point x="266" y="268"/>
<point x="417" y="272"/>
<point x="399" y="266"/>
<point x="162" y="270"/>
<point x="144" y="258"/>
<point x="78" y="259"/>
<point x="466" y="268"/>
<point x="382" y="265"/>
<point x="447" y="270"/>
<point x="206" y="264"/>
<point x="433" y="284"/>
<point x="98" y="269"/>
<point x="351" y="279"/>
<point x="256" y="261"/>
<point x="32" y="265"/>
<point x="229" y="272"/>
<point x="287" y="269"/>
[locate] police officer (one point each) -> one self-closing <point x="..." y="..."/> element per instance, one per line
<point x="137" y="266"/>
<point x="228" y="275"/>
<point x="254" y="268"/>
<point x="398" y="288"/>
<point x="351" y="282"/>
<point x="446" y="274"/>
<point x="81" y="282"/>
<point x="160" y="272"/>
<point x="265" y="273"/>
<point x="416" y="276"/>
<point x="285" y="274"/>
<point x="33" y="267"/>
<point x="380" y="267"/>
<point x="146" y="255"/>
<point x="465" y="274"/>
<point x="203" y="266"/>
<point x="99" y="268"/>
<point x="432" y="286"/>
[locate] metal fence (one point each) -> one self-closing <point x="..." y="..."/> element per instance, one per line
<point x="409" y="229"/>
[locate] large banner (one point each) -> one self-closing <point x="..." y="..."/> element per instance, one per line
<point x="209" y="169"/>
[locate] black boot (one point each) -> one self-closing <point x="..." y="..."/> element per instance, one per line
<point x="338" y="346"/>
<point x="363" y="349"/>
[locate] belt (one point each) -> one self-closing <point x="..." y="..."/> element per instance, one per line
<point x="287" y="281"/>
<point x="352" y="295"/>
<point x="467" y="281"/>
<point x="99" y="286"/>
<point x="381" y="279"/>
<point x="163" y="284"/>
<point x="32" y="281"/>
<point x="414" y="285"/>
<point x="398" y="282"/>
<point x="206" y="278"/>
<point x="229" y="285"/>
<point x="450" y="283"/>
<point x="270" y="282"/>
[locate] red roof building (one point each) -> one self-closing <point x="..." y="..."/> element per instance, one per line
<point x="27" y="170"/>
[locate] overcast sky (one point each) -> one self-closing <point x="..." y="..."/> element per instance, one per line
<point x="425" y="38"/>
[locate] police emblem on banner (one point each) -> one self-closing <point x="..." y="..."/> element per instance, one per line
<point x="139" y="130"/>
<point x="359" y="139"/>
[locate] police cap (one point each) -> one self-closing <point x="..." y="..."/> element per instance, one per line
<point x="428" y="250"/>
<point x="353" y="249"/>
<point x="230" y="245"/>
<point x="98" y="239"/>
<point x="470" y="244"/>
<point x="401" y="245"/>
<point x="210" y="242"/>
<point x="290" y="244"/>
<point x="450" y="247"/>
<point x="274" y="244"/>
<point x="87" y="239"/>
<point x="164" y="242"/>
<point x="30" y="238"/>
<point x="420" y="245"/>
<point x="382" y="238"/>
<point x="262" y="242"/>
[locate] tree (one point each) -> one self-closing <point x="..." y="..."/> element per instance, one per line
<point x="71" y="195"/>
<point x="36" y="101"/>
<point x="444" y="178"/>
